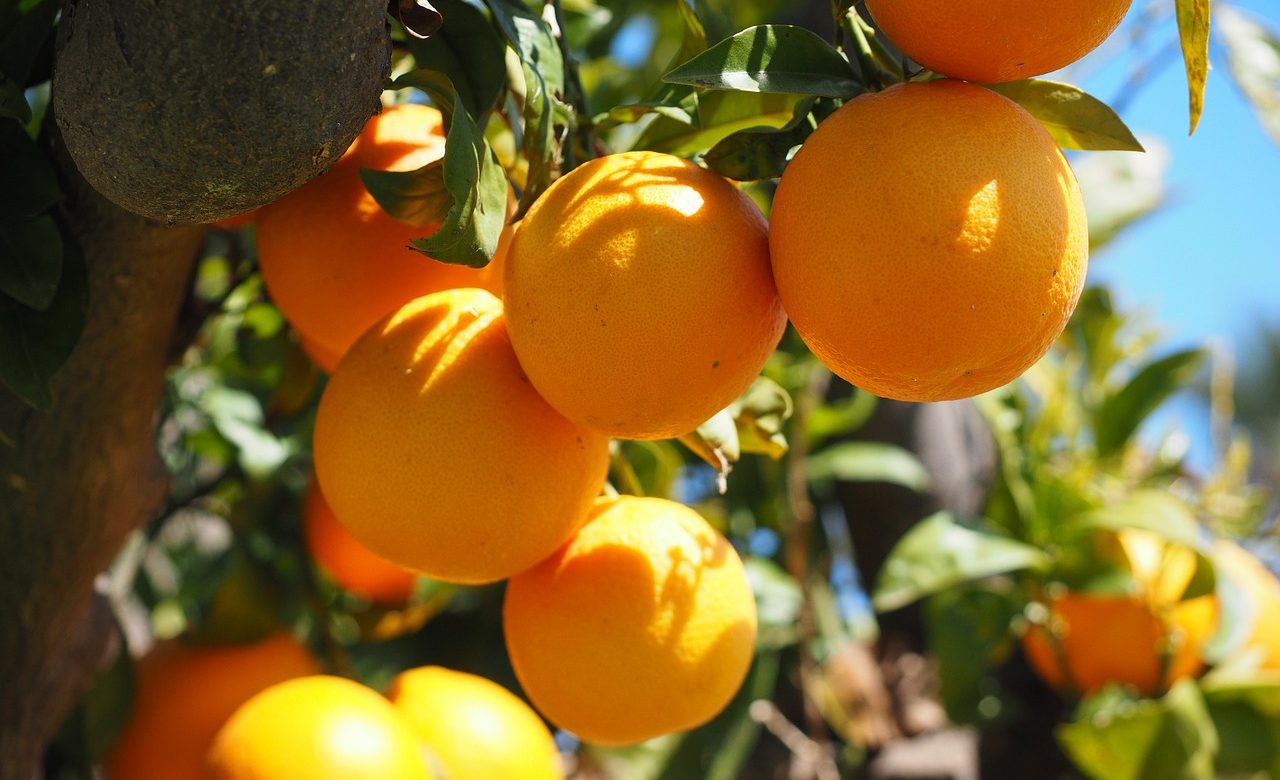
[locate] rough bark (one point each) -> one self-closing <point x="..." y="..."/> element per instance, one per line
<point x="76" y="477"/>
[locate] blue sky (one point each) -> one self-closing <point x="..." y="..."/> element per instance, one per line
<point x="1207" y="267"/>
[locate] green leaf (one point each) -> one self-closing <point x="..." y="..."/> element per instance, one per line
<point x="694" y="40"/>
<point x="719" y="115"/>
<point x="864" y="461"/>
<point x="840" y="417"/>
<point x="1193" y="32"/>
<point x="24" y="29"/>
<point x="478" y="185"/>
<point x="1120" y="415"/>
<point x="760" y="415"/>
<point x="30" y="260"/>
<point x="771" y="58"/>
<point x="655" y="464"/>
<point x="761" y="153"/>
<point x="418" y="197"/>
<point x="469" y="51"/>
<point x="13" y="104"/>
<point x="35" y="344"/>
<point x="1117" y="738"/>
<point x="1253" y="58"/>
<point x="544" y="76"/>
<point x="28" y="184"/>
<point x="938" y="554"/>
<point x="634" y="112"/>
<point x="1074" y="118"/>
<point x="1146" y="510"/>
<point x="969" y="633"/>
<point x="754" y="155"/>
<point x="238" y="416"/>
<point x="716" y="442"/>
<point x="1250" y="740"/>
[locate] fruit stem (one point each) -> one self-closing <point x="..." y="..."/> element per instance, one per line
<point x="580" y="150"/>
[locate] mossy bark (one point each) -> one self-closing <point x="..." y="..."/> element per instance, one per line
<point x="197" y="111"/>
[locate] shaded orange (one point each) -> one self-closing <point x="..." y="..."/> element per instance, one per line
<point x="997" y="40"/>
<point x="1116" y="639"/>
<point x="929" y="242"/>
<point x="639" y="295"/>
<point x="237" y="222"/>
<point x="438" y="454"/>
<point x="350" y="564"/>
<point x="475" y="728"/>
<point x="317" y="728"/>
<point x="184" y="693"/>
<point x="642" y="624"/>
<point x="1148" y="640"/>
<point x="334" y="261"/>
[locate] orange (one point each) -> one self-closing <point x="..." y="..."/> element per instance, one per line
<point x="1116" y="639"/>
<point x="639" y="295"/>
<point x="1263" y="590"/>
<point x="436" y="452"/>
<point x="184" y="693"/>
<point x="334" y="261"/>
<point x="1147" y="641"/>
<point x="318" y="728"/>
<point x="642" y="624"/>
<point x="475" y="728"/>
<point x="929" y="241"/>
<point x="238" y="221"/>
<point x="350" y="564"/>
<point x="997" y="40"/>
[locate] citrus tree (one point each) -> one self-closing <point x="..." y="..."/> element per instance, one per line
<point x="409" y="392"/>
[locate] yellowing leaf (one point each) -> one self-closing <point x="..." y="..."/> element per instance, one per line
<point x="1193" y="29"/>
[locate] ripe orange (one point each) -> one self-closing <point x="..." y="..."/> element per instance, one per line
<point x="184" y="693"/>
<point x="997" y="40"/>
<point x="929" y="241"/>
<point x="1110" y="639"/>
<point x="334" y="261"/>
<point x="318" y="728"/>
<point x="436" y="452"/>
<point x="639" y="295"/>
<point x="1263" y="590"/>
<point x="642" y="624"/>
<point x="475" y="728"/>
<point x="351" y="565"/>
<point x="1125" y="639"/>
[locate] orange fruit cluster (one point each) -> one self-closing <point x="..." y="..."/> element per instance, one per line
<point x="263" y="711"/>
<point x="928" y="243"/>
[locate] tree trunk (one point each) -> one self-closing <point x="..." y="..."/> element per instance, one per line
<point x="76" y="477"/>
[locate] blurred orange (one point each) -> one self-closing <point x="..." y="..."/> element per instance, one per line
<point x="183" y="695"/>
<point x="1148" y="640"/>
<point x="475" y="728"/>
<point x="317" y="728"/>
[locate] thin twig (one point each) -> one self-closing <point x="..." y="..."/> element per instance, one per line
<point x="802" y="514"/>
